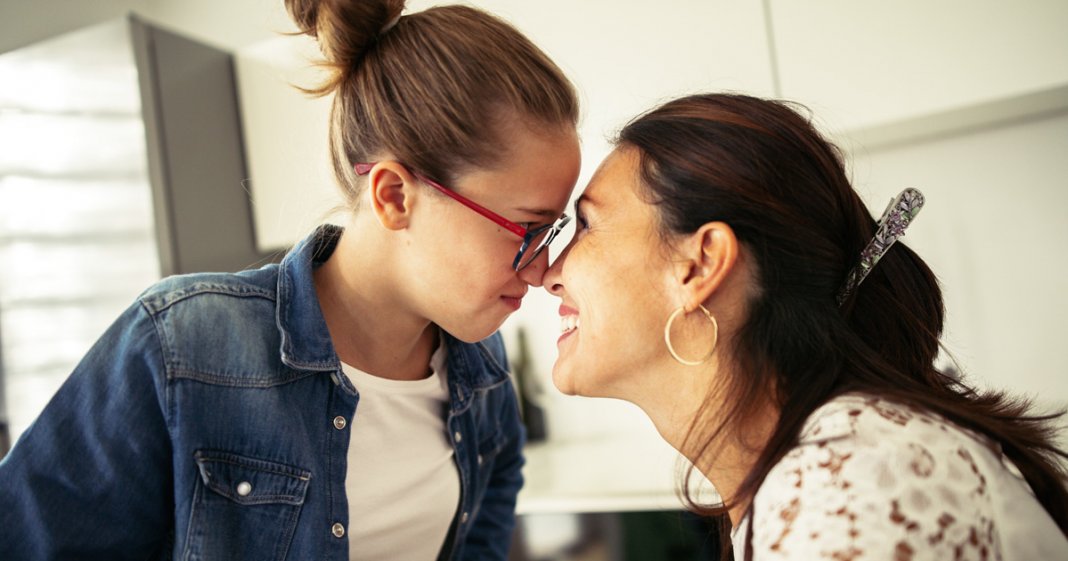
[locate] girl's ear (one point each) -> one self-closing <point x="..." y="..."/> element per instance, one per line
<point x="391" y="190"/>
<point x="706" y="258"/>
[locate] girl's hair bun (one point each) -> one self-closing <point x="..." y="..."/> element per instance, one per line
<point x="345" y="29"/>
<point x="431" y="89"/>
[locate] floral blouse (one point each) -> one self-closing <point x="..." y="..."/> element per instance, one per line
<point x="871" y="479"/>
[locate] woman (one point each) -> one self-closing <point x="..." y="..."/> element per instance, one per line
<point x="719" y="279"/>
<point x="353" y="401"/>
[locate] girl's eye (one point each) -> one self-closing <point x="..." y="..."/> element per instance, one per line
<point x="528" y="226"/>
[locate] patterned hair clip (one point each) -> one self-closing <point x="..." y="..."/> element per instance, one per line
<point x="895" y="220"/>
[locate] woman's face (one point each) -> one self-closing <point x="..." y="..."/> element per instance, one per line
<point x="461" y="264"/>
<point x="615" y="282"/>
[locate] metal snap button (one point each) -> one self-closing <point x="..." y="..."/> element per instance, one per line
<point x="339" y="422"/>
<point x="338" y="530"/>
<point x="244" y="488"/>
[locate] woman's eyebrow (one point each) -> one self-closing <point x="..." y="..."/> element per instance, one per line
<point x="584" y="200"/>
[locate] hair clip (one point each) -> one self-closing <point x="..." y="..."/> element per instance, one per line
<point x="897" y="217"/>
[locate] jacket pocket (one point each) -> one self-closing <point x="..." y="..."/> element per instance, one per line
<point x="243" y="508"/>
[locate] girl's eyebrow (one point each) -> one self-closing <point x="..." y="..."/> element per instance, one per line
<point x="549" y="214"/>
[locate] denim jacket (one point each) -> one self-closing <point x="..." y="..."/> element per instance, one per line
<point x="211" y="422"/>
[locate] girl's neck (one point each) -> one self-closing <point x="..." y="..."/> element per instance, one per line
<point x="370" y="326"/>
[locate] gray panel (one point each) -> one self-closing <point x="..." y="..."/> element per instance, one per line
<point x="195" y="153"/>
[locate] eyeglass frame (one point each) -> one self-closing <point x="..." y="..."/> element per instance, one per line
<point x="527" y="235"/>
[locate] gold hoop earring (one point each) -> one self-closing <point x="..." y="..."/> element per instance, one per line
<point x="671" y="348"/>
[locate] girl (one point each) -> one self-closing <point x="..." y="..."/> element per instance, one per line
<point x="353" y="401"/>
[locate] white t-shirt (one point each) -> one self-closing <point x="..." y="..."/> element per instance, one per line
<point x="402" y="483"/>
<point x="871" y="479"/>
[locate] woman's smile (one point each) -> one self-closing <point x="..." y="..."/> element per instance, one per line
<point x="569" y="322"/>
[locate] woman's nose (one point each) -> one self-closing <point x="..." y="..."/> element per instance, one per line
<point x="552" y="278"/>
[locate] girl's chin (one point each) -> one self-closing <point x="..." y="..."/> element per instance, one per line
<point x="474" y="329"/>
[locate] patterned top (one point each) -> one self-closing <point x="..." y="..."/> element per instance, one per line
<point x="871" y="479"/>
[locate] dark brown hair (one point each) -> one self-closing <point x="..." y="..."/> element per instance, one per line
<point x="432" y="89"/>
<point x="762" y="168"/>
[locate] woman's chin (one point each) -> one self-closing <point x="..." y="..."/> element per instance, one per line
<point x="563" y="380"/>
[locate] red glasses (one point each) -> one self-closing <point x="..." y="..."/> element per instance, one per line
<point x="534" y="241"/>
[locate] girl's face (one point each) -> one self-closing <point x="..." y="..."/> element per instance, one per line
<point x="461" y="262"/>
<point x="615" y="281"/>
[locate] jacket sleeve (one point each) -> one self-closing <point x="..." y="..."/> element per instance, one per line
<point x="491" y="533"/>
<point x="91" y="477"/>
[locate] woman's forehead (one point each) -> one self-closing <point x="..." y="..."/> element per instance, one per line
<point x="616" y="175"/>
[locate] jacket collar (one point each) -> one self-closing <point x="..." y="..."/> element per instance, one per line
<point x="306" y="340"/>
<point x="472" y="367"/>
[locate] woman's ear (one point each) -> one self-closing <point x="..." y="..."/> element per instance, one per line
<point x="706" y="259"/>
<point x="389" y="186"/>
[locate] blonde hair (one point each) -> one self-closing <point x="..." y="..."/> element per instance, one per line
<point x="432" y="89"/>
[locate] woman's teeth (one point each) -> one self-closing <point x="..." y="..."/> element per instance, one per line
<point x="568" y="323"/>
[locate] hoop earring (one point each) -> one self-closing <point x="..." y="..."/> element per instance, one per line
<point x="671" y="348"/>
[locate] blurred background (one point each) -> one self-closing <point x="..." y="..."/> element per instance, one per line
<point x="140" y="139"/>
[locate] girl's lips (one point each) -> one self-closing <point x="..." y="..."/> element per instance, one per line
<point x="513" y="301"/>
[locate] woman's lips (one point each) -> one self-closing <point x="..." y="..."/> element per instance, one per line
<point x="569" y="321"/>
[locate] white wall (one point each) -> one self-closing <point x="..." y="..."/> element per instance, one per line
<point x="865" y="63"/>
<point x="291" y="181"/>
<point x="993" y="229"/>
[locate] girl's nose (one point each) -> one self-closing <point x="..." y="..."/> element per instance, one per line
<point x="533" y="273"/>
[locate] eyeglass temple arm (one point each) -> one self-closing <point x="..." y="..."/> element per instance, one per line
<point x="362" y="169"/>
<point x="500" y="220"/>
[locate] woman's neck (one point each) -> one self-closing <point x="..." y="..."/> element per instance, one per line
<point x="369" y="323"/>
<point x="729" y="455"/>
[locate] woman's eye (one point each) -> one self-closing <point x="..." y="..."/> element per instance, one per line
<point x="580" y="222"/>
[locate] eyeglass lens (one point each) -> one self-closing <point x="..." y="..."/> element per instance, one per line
<point x="540" y="241"/>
